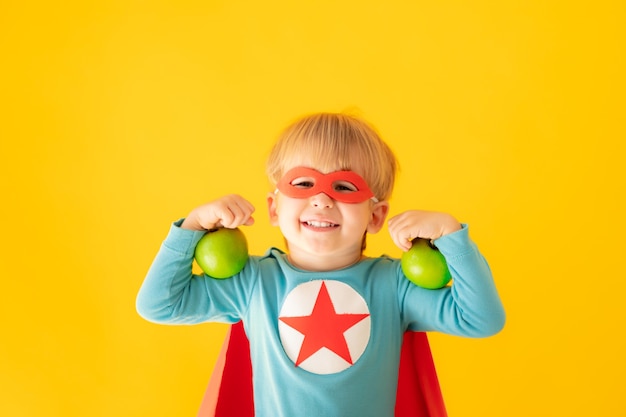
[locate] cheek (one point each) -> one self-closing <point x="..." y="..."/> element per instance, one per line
<point x="357" y="216"/>
<point x="287" y="210"/>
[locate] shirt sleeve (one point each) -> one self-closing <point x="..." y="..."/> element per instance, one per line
<point x="470" y="307"/>
<point x="172" y="294"/>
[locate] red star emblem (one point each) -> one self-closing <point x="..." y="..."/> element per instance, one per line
<point x="323" y="328"/>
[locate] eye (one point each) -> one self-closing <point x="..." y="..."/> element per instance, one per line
<point x="345" y="187"/>
<point x="303" y="183"/>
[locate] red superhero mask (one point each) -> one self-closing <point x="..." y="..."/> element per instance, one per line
<point x="342" y="186"/>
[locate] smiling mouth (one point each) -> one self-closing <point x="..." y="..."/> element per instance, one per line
<point x="320" y="225"/>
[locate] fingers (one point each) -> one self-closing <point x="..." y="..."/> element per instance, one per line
<point x="232" y="211"/>
<point x="403" y="230"/>
<point x="229" y="211"/>
<point x="419" y="223"/>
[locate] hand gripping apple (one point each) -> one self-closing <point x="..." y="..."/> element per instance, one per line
<point x="222" y="253"/>
<point x="425" y="266"/>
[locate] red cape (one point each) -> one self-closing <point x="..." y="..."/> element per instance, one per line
<point x="230" y="389"/>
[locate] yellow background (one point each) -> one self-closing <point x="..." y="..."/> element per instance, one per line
<point x="119" y="117"/>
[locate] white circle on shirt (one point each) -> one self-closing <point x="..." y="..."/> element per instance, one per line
<point x="324" y="326"/>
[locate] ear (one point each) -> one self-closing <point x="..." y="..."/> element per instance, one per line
<point x="272" y="204"/>
<point x="379" y="214"/>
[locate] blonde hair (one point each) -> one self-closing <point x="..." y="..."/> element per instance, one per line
<point x="332" y="142"/>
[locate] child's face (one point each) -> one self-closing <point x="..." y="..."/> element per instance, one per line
<point x="322" y="229"/>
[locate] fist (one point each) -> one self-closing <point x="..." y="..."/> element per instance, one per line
<point x="422" y="224"/>
<point x="229" y="211"/>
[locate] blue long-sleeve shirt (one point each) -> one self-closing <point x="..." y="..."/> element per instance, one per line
<point x="323" y="343"/>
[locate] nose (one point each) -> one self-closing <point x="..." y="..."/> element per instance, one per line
<point x="322" y="200"/>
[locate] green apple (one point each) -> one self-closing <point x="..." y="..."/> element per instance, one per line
<point x="222" y="253"/>
<point x="425" y="266"/>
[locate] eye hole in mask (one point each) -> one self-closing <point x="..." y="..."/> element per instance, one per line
<point x="343" y="186"/>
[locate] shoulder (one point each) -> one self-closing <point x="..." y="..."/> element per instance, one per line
<point x="272" y="260"/>
<point x="271" y="257"/>
<point x="381" y="263"/>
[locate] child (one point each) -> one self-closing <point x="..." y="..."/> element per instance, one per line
<point x="325" y="323"/>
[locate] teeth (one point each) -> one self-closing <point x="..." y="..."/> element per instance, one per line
<point x="319" y="224"/>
